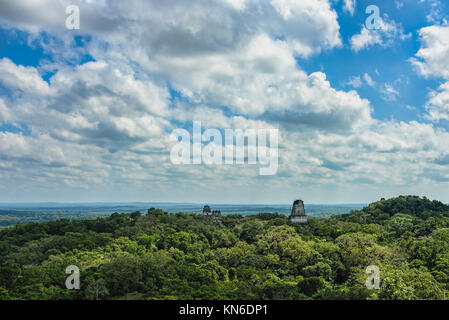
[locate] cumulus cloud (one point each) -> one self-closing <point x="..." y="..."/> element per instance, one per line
<point x="182" y="28"/>
<point x="95" y="103"/>
<point x="105" y="124"/>
<point x="26" y="79"/>
<point x="389" y="31"/>
<point x="431" y="61"/>
<point x="262" y="80"/>
<point x="438" y="104"/>
<point x="432" y="57"/>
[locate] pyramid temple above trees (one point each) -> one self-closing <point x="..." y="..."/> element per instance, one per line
<point x="208" y="213"/>
<point x="298" y="214"/>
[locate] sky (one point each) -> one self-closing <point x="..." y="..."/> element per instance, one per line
<point x="87" y="114"/>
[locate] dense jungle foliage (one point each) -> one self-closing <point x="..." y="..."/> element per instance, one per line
<point x="188" y="256"/>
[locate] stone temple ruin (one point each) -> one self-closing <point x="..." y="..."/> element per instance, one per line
<point x="298" y="214"/>
<point x="213" y="214"/>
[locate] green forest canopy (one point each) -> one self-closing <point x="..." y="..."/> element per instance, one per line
<point x="188" y="256"/>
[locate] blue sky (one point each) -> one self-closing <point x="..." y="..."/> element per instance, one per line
<point x="86" y="115"/>
<point x="384" y="64"/>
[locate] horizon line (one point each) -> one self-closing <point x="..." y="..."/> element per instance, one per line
<point x="167" y="202"/>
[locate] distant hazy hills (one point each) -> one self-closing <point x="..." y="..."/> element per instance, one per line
<point x="18" y="213"/>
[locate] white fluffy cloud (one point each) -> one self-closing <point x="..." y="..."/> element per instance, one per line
<point x="26" y="79"/>
<point x="432" y="61"/>
<point x="432" y="58"/>
<point x="388" y="32"/>
<point x="104" y="125"/>
<point x="261" y="80"/>
<point x="438" y="104"/>
<point x="181" y="28"/>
